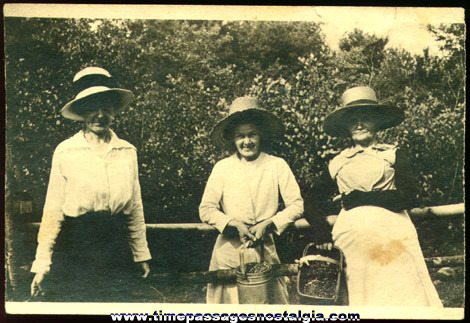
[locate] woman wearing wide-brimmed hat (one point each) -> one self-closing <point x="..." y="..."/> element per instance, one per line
<point x="242" y="195"/>
<point x="384" y="262"/>
<point x="93" y="223"/>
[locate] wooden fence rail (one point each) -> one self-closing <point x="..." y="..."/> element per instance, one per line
<point x="302" y="224"/>
<point x="229" y="276"/>
<point x="433" y="212"/>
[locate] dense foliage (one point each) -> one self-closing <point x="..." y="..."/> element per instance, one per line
<point x="185" y="73"/>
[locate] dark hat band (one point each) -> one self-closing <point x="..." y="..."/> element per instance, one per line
<point x="364" y="101"/>
<point x="91" y="80"/>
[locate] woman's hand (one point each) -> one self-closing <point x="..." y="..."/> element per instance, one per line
<point x="304" y="260"/>
<point x="246" y="237"/>
<point x="36" y="285"/>
<point x="145" y="268"/>
<point x="260" y="229"/>
<point x="325" y="246"/>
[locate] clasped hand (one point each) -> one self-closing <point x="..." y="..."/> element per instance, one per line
<point x="249" y="236"/>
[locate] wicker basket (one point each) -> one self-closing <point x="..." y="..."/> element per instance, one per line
<point x="321" y="279"/>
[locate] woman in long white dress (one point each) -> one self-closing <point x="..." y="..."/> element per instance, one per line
<point x="384" y="262"/>
<point x="241" y="198"/>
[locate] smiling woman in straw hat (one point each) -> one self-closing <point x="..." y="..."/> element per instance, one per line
<point x="93" y="221"/>
<point x="384" y="262"/>
<point x="242" y="195"/>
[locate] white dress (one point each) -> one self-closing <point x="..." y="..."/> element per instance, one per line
<point x="248" y="192"/>
<point x="385" y="264"/>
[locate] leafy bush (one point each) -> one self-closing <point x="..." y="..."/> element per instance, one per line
<point x="184" y="75"/>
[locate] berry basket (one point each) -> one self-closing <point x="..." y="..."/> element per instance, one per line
<point x="320" y="280"/>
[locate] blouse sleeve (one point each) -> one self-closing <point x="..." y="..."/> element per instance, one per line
<point x="290" y="192"/>
<point x="405" y="179"/>
<point x="52" y="217"/>
<point x="209" y="209"/>
<point x="316" y="208"/>
<point x="136" y="220"/>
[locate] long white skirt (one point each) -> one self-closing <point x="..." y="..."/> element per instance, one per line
<point x="385" y="264"/>
<point x="226" y="256"/>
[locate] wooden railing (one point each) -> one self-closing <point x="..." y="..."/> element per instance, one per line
<point x="302" y="224"/>
<point x="228" y="275"/>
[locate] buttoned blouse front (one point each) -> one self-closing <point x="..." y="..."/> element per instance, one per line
<point x="81" y="182"/>
<point x="249" y="192"/>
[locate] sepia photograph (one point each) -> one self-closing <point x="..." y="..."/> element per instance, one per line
<point x="234" y="163"/>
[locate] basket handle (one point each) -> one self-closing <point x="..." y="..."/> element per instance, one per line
<point x="308" y="247"/>
<point x="242" y="250"/>
<point x="242" y="260"/>
<point x="341" y="256"/>
<point x="261" y="252"/>
<point x="241" y="253"/>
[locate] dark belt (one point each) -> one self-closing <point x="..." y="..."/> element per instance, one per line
<point x="392" y="200"/>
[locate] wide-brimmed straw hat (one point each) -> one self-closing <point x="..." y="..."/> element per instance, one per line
<point x="92" y="84"/>
<point x="242" y="110"/>
<point x="361" y="99"/>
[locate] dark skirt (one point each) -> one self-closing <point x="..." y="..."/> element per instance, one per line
<point x="92" y="261"/>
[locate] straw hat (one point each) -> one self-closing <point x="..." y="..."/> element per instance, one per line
<point x="361" y="99"/>
<point x="94" y="83"/>
<point x="242" y="110"/>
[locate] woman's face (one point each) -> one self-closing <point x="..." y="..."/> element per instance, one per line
<point x="362" y="129"/>
<point x="247" y="140"/>
<point x="98" y="121"/>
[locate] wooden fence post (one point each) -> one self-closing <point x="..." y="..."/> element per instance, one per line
<point x="10" y="257"/>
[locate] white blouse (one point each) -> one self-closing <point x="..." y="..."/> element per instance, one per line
<point x="364" y="169"/>
<point x="249" y="192"/>
<point x="81" y="182"/>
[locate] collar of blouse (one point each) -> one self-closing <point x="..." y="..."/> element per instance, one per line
<point x="353" y="151"/>
<point x="78" y="141"/>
